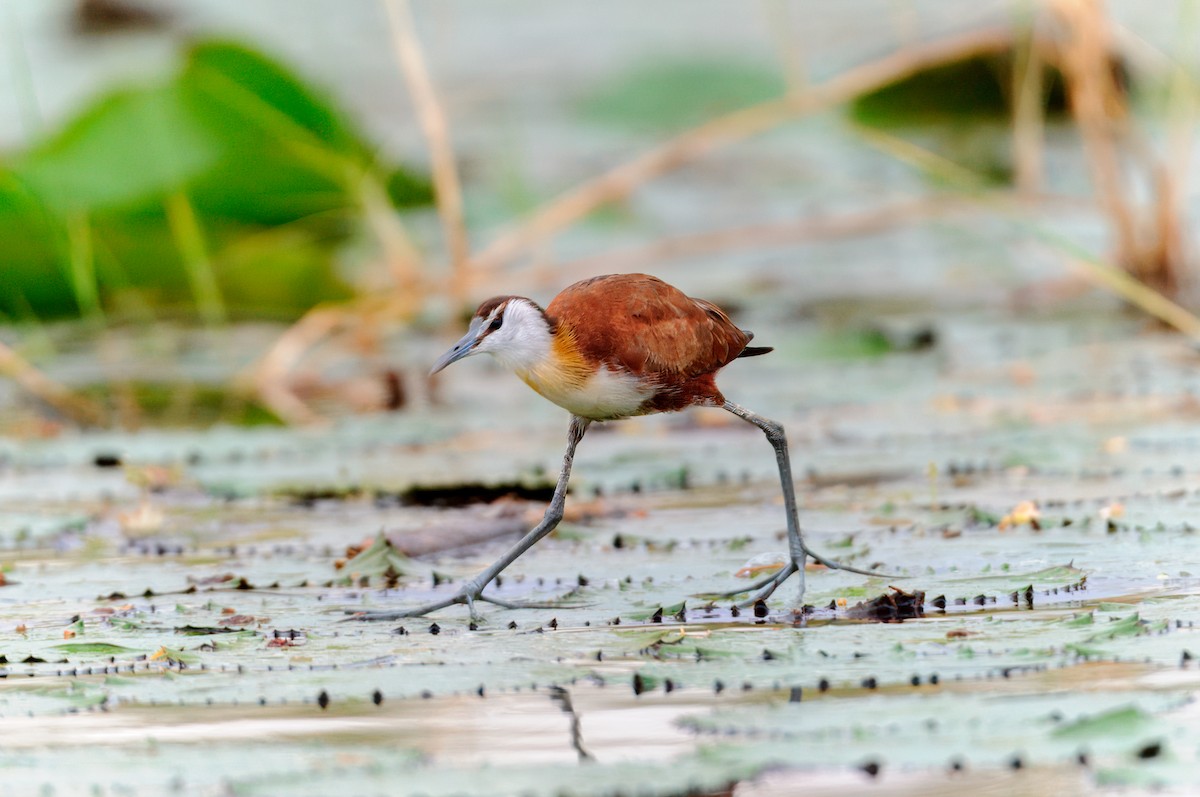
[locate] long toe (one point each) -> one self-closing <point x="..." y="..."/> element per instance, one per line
<point x="772" y="584"/>
<point x="833" y="564"/>
<point x="757" y="585"/>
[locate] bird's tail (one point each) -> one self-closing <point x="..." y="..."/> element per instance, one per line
<point x="754" y="351"/>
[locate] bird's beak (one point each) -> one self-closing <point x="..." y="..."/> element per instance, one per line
<point x="464" y="348"/>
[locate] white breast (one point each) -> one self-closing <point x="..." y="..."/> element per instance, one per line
<point x="606" y="395"/>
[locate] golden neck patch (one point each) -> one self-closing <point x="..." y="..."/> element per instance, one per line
<point x="564" y="369"/>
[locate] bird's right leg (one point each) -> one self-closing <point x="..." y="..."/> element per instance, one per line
<point x="472" y="591"/>
<point x="798" y="550"/>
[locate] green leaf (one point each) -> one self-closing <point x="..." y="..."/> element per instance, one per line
<point x="1123" y="721"/>
<point x="101" y="648"/>
<point x="130" y="147"/>
<point x="671" y="95"/>
<point x="274" y="86"/>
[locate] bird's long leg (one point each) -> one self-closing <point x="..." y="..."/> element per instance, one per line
<point x="796" y="547"/>
<point x="472" y="591"/>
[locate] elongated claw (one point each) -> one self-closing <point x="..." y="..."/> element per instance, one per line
<point x="402" y="614"/>
<point x="833" y="564"/>
<point x="469" y="596"/>
<point x="771" y="584"/>
<point x="748" y="588"/>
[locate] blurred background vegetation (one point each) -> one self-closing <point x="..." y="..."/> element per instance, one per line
<point x="302" y="190"/>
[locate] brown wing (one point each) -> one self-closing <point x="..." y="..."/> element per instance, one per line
<point x="645" y="325"/>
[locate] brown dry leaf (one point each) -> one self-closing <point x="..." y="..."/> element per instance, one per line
<point x="145" y="519"/>
<point x="1115" y="445"/>
<point x="237" y="619"/>
<point x="1024" y="513"/>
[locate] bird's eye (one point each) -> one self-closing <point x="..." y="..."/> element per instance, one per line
<point x="496" y="322"/>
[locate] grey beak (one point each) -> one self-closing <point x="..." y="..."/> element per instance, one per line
<point x="464" y="348"/>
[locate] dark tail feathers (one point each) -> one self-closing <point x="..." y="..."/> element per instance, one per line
<point x="753" y="351"/>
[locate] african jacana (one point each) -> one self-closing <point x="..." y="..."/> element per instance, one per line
<point x="614" y="347"/>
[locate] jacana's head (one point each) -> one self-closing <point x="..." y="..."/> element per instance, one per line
<point x="512" y="329"/>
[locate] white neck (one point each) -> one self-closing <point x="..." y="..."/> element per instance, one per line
<point x="524" y="341"/>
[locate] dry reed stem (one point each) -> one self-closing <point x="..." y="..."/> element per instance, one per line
<point x="79" y="409"/>
<point x="1138" y="294"/>
<point x="403" y="259"/>
<point x="778" y="18"/>
<point x="432" y="118"/>
<point x="1084" y="55"/>
<point x="623" y="180"/>
<point x="767" y="235"/>
<point x="361" y="318"/>
<point x="1028" y="115"/>
<point x="1149" y="245"/>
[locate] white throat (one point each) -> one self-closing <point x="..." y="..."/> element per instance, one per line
<point x="523" y="342"/>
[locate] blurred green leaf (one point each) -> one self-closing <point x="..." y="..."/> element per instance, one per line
<point x="671" y="95"/>
<point x="240" y="139"/>
<point x="132" y="146"/>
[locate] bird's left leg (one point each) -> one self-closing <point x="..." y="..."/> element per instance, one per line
<point x="796" y="547"/>
<point x="473" y="590"/>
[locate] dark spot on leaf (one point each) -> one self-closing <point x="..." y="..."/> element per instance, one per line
<point x="1152" y="750"/>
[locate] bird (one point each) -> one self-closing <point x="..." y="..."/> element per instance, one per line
<point x="609" y="348"/>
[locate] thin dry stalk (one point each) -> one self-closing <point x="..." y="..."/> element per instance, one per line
<point x="79" y="409"/>
<point x="623" y="180"/>
<point x="1149" y="246"/>
<point x="1084" y="56"/>
<point x="768" y="235"/>
<point x="781" y="28"/>
<point x="432" y="118"/>
<point x="403" y="259"/>
<point x="1138" y="294"/>
<point x="271" y="375"/>
<point x="1028" y="115"/>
